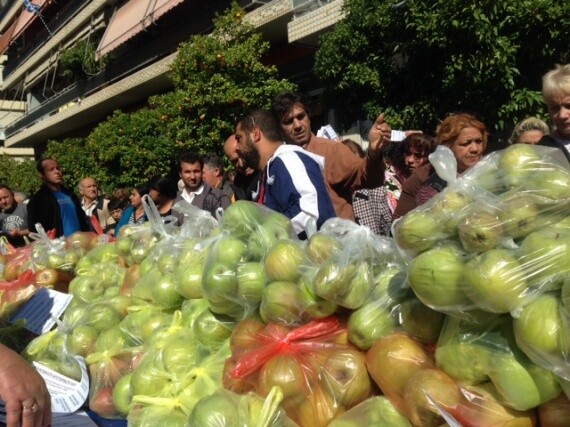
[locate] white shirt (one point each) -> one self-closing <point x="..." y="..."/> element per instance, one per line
<point x="189" y="195"/>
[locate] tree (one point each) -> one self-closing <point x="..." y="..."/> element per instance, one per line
<point x="216" y="78"/>
<point x="417" y="60"/>
<point x="19" y="175"/>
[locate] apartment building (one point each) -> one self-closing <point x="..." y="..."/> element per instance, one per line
<point x="51" y="88"/>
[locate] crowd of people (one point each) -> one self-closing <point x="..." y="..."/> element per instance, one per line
<point x="278" y="162"/>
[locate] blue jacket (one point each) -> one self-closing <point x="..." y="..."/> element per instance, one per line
<point x="295" y="186"/>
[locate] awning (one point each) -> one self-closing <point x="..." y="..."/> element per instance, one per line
<point x="7" y="37"/>
<point x="27" y="17"/>
<point x="130" y="19"/>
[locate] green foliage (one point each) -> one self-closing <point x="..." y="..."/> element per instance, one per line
<point x="73" y="156"/>
<point x="19" y="175"/>
<point x="217" y="78"/>
<point x="78" y="61"/>
<point x="424" y="58"/>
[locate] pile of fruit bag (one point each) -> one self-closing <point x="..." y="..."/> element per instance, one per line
<point x="427" y="396"/>
<point x="225" y="408"/>
<point x="319" y="373"/>
<point x="496" y="238"/>
<point x="485" y="352"/>
<point x="236" y="268"/>
<point x="16" y="293"/>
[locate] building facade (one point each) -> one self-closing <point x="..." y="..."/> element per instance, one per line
<point x="67" y="65"/>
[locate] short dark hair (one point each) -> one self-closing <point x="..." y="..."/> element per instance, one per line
<point x="142" y="189"/>
<point x="190" y="157"/>
<point x="40" y="164"/>
<point x="284" y="103"/>
<point x="165" y="186"/>
<point x="214" y="161"/>
<point x="265" y="121"/>
<point x="116" y="203"/>
<point x="3" y="186"/>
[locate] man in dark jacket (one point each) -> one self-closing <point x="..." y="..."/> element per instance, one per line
<point x="54" y="206"/>
<point x="196" y="191"/>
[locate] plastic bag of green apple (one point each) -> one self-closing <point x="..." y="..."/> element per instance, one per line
<point x="47" y="252"/>
<point x="154" y="387"/>
<point x="143" y="319"/>
<point x="486" y="351"/>
<point x="542" y="331"/>
<point x="350" y="262"/>
<point x="374" y="411"/>
<point x="226" y="407"/>
<point x="99" y="282"/>
<point x="50" y="349"/>
<point x="106" y="368"/>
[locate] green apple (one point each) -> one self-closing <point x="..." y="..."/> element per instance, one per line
<point x="521" y="384"/>
<point x="313" y="306"/>
<point x="552" y="182"/>
<point x="420" y="321"/>
<point x="480" y="229"/>
<point x="517" y="163"/>
<point x="264" y="237"/>
<point x="417" y="231"/>
<point x="81" y="339"/>
<point x="220" y="288"/>
<point x="112" y="340"/>
<point x="495" y="281"/>
<point x="86" y="289"/>
<point x="321" y="248"/>
<point x="463" y="351"/>
<point x="212" y="330"/>
<point x="519" y="213"/>
<point x="241" y="218"/>
<point x="545" y="256"/>
<point x="228" y="251"/>
<point x="449" y="206"/>
<point x="436" y="277"/>
<point x="280" y="303"/>
<point x="123" y="395"/>
<point x="345" y="377"/>
<point x="251" y="282"/>
<point x="220" y="408"/>
<point x="189" y="280"/>
<point x="167" y="261"/>
<point x="164" y="292"/>
<point x="179" y="354"/>
<point x="369" y="323"/>
<point x="541" y="330"/>
<point x="101" y="316"/>
<point x="283" y="261"/>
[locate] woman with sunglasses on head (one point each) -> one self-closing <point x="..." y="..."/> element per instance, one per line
<point x="467" y="138"/>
